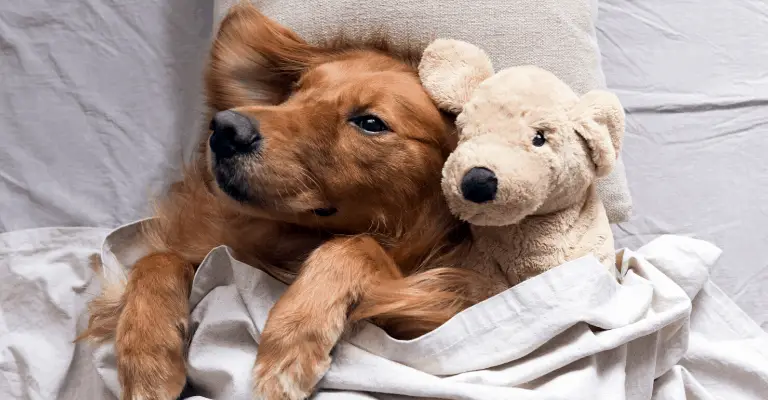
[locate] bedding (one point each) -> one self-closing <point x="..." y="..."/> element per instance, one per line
<point x="45" y="282"/>
<point x="664" y="331"/>
<point x="99" y="103"/>
<point x="694" y="84"/>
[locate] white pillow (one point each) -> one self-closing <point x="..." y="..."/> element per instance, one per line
<point x="558" y="35"/>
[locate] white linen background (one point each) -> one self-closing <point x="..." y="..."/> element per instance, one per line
<point x="692" y="77"/>
<point x="99" y="102"/>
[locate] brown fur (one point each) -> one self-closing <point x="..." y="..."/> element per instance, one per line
<point x="376" y="258"/>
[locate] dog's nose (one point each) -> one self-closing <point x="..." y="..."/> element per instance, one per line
<point x="479" y="185"/>
<point x="233" y="133"/>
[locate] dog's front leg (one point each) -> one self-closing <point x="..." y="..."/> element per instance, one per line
<point x="308" y="320"/>
<point x="149" y="342"/>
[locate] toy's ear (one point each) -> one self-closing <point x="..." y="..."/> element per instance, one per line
<point x="599" y="119"/>
<point x="450" y="70"/>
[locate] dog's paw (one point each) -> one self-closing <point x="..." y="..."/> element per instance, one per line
<point x="290" y="376"/>
<point x="150" y="356"/>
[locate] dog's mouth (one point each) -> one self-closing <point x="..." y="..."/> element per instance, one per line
<point x="231" y="181"/>
<point x="234" y="183"/>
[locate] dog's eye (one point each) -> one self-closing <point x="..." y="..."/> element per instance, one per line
<point x="539" y="139"/>
<point x="324" y="212"/>
<point x="369" y="124"/>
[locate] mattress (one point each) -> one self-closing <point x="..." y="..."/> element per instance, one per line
<point x="100" y="101"/>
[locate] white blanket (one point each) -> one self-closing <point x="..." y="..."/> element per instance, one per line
<point x="45" y="283"/>
<point x="571" y="333"/>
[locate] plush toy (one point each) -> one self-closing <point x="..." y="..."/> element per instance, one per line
<point x="529" y="153"/>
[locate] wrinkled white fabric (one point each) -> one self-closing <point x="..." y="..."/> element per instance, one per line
<point x="571" y="333"/>
<point x="693" y="81"/>
<point x="664" y="331"/>
<point x="100" y="100"/>
<point x="45" y="283"/>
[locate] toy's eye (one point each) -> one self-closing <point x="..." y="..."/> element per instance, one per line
<point x="369" y="124"/>
<point x="539" y="139"/>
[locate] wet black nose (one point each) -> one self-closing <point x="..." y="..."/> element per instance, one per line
<point x="233" y="133"/>
<point x="479" y="185"/>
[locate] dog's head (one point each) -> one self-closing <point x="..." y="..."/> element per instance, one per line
<point x="334" y="136"/>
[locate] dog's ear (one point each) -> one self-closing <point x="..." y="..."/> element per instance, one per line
<point x="599" y="119"/>
<point x="254" y="60"/>
<point x="451" y="70"/>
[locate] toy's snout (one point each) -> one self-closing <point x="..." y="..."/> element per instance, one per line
<point x="479" y="185"/>
<point x="488" y="181"/>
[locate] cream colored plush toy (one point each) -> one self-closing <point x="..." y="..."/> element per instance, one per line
<point x="529" y="153"/>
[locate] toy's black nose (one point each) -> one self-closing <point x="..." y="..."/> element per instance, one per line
<point x="233" y="133"/>
<point x="479" y="185"/>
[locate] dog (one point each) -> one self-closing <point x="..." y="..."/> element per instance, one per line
<point x="322" y="166"/>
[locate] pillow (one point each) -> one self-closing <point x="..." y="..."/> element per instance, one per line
<point x="558" y="35"/>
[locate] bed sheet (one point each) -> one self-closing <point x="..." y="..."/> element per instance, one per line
<point x="99" y="101"/>
<point x="664" y="303"/>
<point x="693" y="80"/>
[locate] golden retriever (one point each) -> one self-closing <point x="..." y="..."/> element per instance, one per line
<point x="322" y="166"/>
